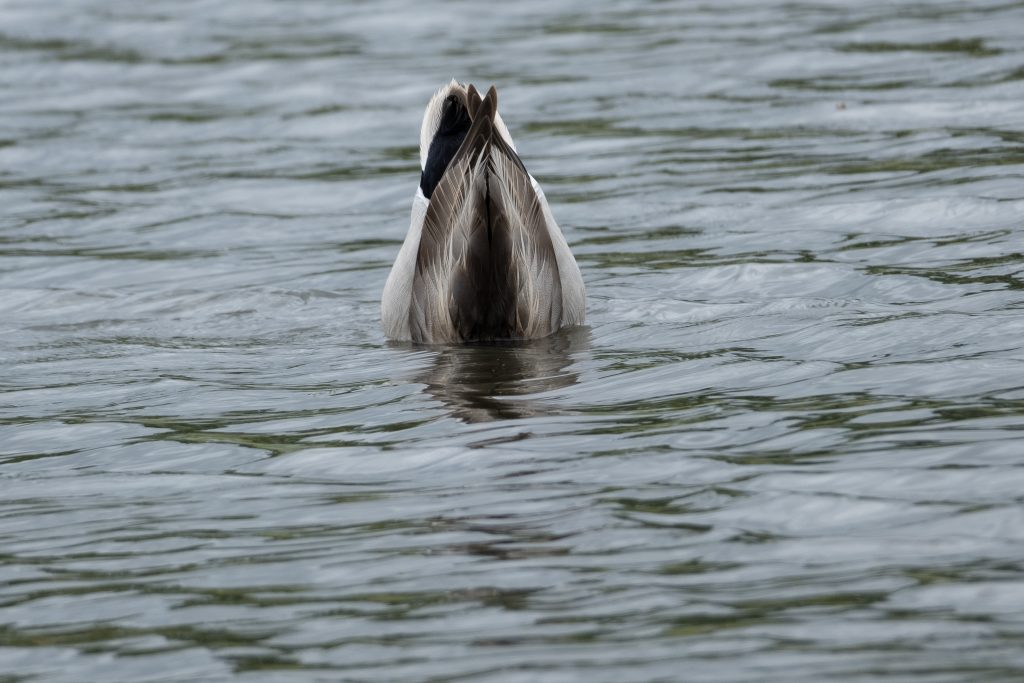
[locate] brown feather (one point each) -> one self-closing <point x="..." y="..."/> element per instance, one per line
<point x="486" y="268"/>
<point x="515" y="210"/>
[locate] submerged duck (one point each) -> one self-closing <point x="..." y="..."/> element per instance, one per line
<point x="483" y="259"/>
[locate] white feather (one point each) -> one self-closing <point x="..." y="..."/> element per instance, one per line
<point x="394" y="304"/>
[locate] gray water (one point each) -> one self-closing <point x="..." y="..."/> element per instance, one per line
<point x="788" y="445"/>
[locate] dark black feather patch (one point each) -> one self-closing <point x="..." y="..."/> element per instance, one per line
<point x="455" y="124"/>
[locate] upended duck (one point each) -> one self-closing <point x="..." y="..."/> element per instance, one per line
<point x="483" y="259"/>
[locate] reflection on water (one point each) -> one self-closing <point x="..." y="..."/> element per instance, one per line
<point x="499" y="381"/>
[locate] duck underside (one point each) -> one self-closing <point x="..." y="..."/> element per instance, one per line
<point x="486" y="267"/>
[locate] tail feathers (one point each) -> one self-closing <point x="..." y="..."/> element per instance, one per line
<point x="486" y="267"/>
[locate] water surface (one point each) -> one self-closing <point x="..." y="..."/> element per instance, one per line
<point x="788" y="445"/>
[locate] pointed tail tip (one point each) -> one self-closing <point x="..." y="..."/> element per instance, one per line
<point x="489" y="105"/>
<point x="477" y="104"/>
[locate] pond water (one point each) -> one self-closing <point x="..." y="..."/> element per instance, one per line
<point x="787" y="446"/>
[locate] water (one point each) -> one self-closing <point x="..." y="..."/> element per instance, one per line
<point x="788" y="445"/>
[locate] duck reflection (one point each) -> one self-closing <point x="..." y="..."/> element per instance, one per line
<point x="493" y="381"/>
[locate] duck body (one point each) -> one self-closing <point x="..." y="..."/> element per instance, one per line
<point x="483" y="259"/>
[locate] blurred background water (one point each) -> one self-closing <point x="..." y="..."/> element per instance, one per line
<point x="788" y="446"/>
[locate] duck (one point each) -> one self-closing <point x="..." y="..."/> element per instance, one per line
<point x="483" y="259"/>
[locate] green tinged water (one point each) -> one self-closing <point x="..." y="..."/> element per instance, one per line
<point x="788" y="446"/>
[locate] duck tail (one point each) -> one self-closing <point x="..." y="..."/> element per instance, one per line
<point x="486" y="268"/>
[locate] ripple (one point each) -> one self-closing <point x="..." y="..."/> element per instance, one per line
<point x="785" y="446"/>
